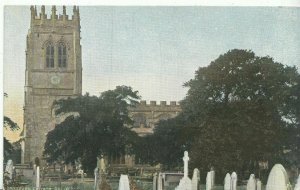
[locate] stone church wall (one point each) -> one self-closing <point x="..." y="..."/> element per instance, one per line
<point x="146" y="116"/>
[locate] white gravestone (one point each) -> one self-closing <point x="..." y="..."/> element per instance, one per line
<point x="212" y="172"/>
<point x="233" y="181"/>
<point x="227" y="182"/>
<point x="160" y="182"/>
<point x="258" y="184"/>
<point x="155" y="181"/>
<point x="251" y="185"/>
<point x="96" y="178"/>
<point x="124" y="183"/>
<point x="9" y="168"/>
<point x="208" y="181"/>
<point x="185" y="164"/>
<point x="37" y="184"/>
<point x="195" y="179"/>
<point x="185" y="182"/>
<point x="297" y="186"/>
<point x="278" y="179"/>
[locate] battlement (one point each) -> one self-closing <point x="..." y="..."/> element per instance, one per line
<point x="161" y="103"/>
<point x="43" y="18"/>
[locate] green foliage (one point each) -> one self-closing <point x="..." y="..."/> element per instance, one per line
<point x="239" y="110"/>
<point x="9" y="125"/>
<point x="242" y="105"/>
<point x="98" y="127"/>
<point x="8" y="149"/>
<point x="166" y="145"/>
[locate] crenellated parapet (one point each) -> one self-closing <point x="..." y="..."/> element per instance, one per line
<point x="146" y="115"/>
<point x="156" y="103"/>
<point x="155" y="106"/>
<point x="162" y="106"/>
<point x="54" y="19"/>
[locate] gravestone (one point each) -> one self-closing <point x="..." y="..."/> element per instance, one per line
<point x="9" y="168"/>
<point x="297" y="186"/>
<point x="278" y="179"/>
<point x="96" y="181"/>
<point x="233" y="181"/>
<point x="227" y="182"/>
<point x="258" y="184"/>
<point x="208" y="181"/>
<point x="155" y="181"/>
<point x="195" y="179"/>
<point x="124" y="183"/>
<point x="37" y="183"/>
<point x="251" y="185"/>
<point x="185" y="182"/>
<point x="160" y="185"/>
<point x="212" y="172"/>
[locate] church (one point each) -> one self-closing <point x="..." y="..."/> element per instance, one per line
<point x="54" y="71"/>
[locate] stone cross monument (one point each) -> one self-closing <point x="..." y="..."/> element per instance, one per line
<point x="185" y="182"/>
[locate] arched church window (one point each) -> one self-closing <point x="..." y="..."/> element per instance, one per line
<point x="62" y="55"/>
<point x="50" y="56"/>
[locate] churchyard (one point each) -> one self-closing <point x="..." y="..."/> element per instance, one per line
<point x="236" y="127"/>
<point x="277" y="180"/>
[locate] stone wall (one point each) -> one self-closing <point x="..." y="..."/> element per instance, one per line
<point x="146" y="116"/>
<point x="44" y="85"/>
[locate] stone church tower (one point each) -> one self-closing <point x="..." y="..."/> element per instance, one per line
<point x="53" y="71"/>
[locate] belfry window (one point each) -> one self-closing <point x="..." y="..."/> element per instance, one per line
<point x="50" y="56"/>
<point x="62" y="55"/>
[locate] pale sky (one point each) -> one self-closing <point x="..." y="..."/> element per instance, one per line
<point x="153" y="49"/>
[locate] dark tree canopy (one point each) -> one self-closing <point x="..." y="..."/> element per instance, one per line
<point x="240" y="109"/>
<point x="10" y="124"/>
<point x="98" y="127"/>
<point x="166" y="145"/>
<point x="243" y="105"/>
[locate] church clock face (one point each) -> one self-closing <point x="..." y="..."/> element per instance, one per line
<point x="55" y="79"/>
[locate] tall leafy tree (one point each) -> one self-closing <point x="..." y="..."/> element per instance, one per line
<point x="243" y="106"/>
<point x="239" y="110"/>
<point x="98" y="125"/>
